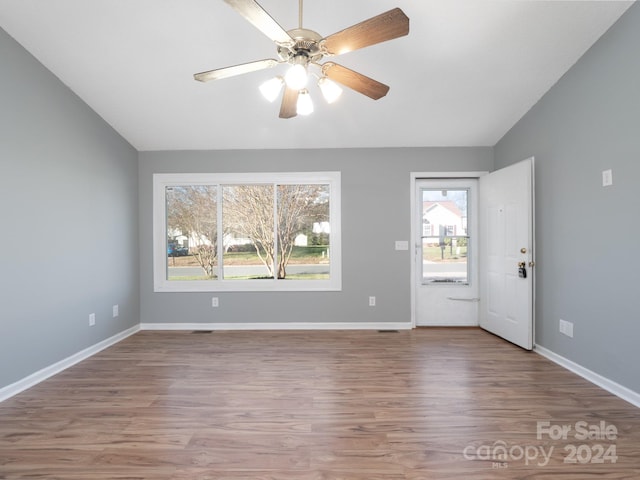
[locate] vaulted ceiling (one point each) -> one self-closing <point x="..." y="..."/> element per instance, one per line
<point x="465" y="74"/>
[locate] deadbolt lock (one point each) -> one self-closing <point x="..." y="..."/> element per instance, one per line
<point x="523" y="250"/>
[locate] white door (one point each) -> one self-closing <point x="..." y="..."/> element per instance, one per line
<point x="446" y="273"/>
<point x="506" y="247"/>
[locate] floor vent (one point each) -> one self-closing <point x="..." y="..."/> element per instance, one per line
<point x="387" y="331"/>
<point x="202" y="331"/>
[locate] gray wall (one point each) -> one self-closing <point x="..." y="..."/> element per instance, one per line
<point x="588" y="266"/>
<point x="68" y="219"/>
<point x="375" y="213"/>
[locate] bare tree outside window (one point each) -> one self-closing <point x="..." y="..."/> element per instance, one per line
<point x="299" y="208"/>
<point x="192" y="214"/>
<point x="248" y="213"/>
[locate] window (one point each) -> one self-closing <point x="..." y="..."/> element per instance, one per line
<point x="246" y="232"/>
<point x="445" y="242"/>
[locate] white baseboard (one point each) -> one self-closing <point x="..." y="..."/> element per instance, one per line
<point x="279" y="326"/>
<point x="41" y="375"/>
<point x="595" y="378"/>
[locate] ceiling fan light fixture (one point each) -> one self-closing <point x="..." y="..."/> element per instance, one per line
<point x="330" y="90"/>
<point x="304" y="105"/>
<point x="272" y="88"/>
<point x="296" y="77"/>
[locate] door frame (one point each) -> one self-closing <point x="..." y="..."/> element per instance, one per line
<point x="414" y="177"/>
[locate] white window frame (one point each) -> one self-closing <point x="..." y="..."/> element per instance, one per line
<point x="160" y="259"/>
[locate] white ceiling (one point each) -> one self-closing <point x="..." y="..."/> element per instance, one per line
<point x="467" y="71"/>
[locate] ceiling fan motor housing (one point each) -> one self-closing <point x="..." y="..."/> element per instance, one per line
<point x="307" y="45"/>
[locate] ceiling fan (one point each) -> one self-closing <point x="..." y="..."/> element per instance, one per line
<point x="302" y="48"/>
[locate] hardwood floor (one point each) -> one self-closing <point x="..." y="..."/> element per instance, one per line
<point x="362" y="405"/>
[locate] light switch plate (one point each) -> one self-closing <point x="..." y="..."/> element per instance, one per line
<point x="402" y="245"/>
<point x="607" y="178"/>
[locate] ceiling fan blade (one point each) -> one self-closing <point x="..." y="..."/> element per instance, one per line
<point x="355" y="81"/>
<point x="259" y="18"/>
<point x="289" y="107"/>
<point x="383" y="27"/>
<point x="235" y="70"/>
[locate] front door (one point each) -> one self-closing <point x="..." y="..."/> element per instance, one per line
<point x="446" y="273"/>
<point x="507" y="253"/>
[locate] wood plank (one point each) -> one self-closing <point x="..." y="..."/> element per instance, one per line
<point x="321" y="405"/>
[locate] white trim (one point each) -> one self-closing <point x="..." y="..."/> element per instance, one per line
<point x="609" y="385"/>
<point x="280" y="326"/>
<point x="41" y="375"/>
<point x="413" y="178"/>
<point x="533" y="249"/>
<point x="455" y="175"/>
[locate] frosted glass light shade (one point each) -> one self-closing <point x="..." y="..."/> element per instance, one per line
<point x="296" y="77"/>
<point x="304" y="105"/>
<point x="271" y="88"/>
<point x="330" y="90"/>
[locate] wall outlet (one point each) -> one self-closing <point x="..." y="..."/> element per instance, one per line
<point x="214" y="302"/>
<point x="566" y="328"/>
<point x="116" y="311"/>
<point x="92" y="319"/>
<point x="372" y="301"/>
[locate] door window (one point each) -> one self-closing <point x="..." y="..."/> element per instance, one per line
<point x="445" y="236"/>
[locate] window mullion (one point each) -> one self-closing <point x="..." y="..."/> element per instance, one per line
<point x="275" y="232"/>
<point x="220" y="233"/>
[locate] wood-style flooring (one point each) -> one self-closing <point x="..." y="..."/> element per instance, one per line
<point x="317" y="405"/>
